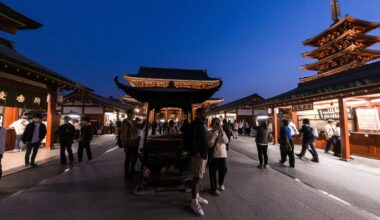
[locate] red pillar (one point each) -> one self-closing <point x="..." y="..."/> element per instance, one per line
<point x="275" y="126"/>
<point x="11" y="115"/>
<point x="295" y="118"/>
<point x="51" y="115"/>
<point x="344" y="133"/>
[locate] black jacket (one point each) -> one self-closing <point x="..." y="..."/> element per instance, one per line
<point x="66" y="133"/>
<point x="27" y="136"/>
<point x="86" y="133"/>
<point x="200" y="143"/>
<point x="262" y="136"/>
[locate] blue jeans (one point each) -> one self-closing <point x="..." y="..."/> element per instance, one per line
<point x="19" y="143"/>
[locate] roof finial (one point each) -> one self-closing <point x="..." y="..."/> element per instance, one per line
<point x="335" y="10"/>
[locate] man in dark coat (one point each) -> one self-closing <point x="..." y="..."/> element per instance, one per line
<point x="34" y="133"/>
<point x="198" y="153"/>
<point x="227" y="128"/>
<point x="85" y="139"/>
<point x="66" y="133"/>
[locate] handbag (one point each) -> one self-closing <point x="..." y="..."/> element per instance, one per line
<point x="285" y="144"/>
<point x="210" y="153"/>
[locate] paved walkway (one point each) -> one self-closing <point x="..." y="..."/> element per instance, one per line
<point x="14" y="161"/>
<point x="97" y="190"/>
<point x="354" y="183"/>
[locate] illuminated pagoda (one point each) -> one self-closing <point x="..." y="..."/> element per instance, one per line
<point x="171" y="91"/>
<point x="342" y="46"/>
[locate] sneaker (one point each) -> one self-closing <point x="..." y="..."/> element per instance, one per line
<point x="299" y="155"/>
<point x="202" y="201"/>
<point x="265" y="166"/>
<point x="34" y="165"/>
<point x="196" y="207"/>
<point x="260" y="166"/>
<point x="222" y="188"/>
<point x="215" y="193"/>
<point x="315" y="160"/>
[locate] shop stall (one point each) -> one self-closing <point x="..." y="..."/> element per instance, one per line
<point x="103" y="112"/>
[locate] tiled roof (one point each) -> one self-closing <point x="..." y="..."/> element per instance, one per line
<point x="171" y="73"/>
<point x="248" y="100"/>
<point x="365" y="76"/>
<point x="9" y="54"/>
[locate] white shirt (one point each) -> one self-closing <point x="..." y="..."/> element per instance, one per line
<point x="220" y="150"/>
<point x="36" y="133"/>
<point x="337" y="132"/>
<point x="19" y="126"/>
<point x="293" y="129"/>
<point x="3" y="134"/>
<point x="329" y="130"/>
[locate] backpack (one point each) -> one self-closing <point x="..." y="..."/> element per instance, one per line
<point x="315" y="133"/>
<point x="308" y="133"/>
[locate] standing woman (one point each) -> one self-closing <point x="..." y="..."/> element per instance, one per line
<point x="262" y="140"/>
<point x="235" y="128"/>
<point x="217" y="139"/>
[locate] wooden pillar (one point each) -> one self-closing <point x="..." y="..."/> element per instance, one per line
<point x="295" y="118"/>
<point x="253" y="116"/>
<point x="51" y="115"/>
<point x="275" y="126"/>
<point x="166" y="115"/>
<point x="10" y="115"/>
<point x="344" y="133"/>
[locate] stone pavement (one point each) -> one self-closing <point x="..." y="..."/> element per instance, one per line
<point x="14" y="161"/>
<point x="97" y="190"/>
<point x="354" y="183"/>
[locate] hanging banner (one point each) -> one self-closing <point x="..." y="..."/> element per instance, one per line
<point x="17" y="96"/>
<point x="303" y="107"/>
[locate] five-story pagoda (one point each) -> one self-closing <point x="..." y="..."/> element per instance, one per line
<point x="344" y="45"/>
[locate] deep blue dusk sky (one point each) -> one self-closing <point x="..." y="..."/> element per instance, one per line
<point x="254" y="45"/>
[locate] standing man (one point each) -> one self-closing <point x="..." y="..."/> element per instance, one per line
<point x="19" y="127"/>
<point x="34" y="133"/>
<point x="85" y="139"/>
<point x="198" y="159"/>
<point x="128" y="137"/>
<point x="308" y="140"/>
<point x="228" y="130"/>
<point x="286" y="144"/>
<point x="66" y="133"/>
<point x="3" y="134"/>
<point x="329" y="133"/>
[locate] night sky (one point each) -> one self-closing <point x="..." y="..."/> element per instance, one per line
<point x="254" y="45"/>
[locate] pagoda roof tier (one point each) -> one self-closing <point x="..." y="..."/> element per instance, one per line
<point x="337" y="70"/>
<point x="168" y="97"/>
<point x="348" y="19"/>
<point x="353" y="50"/>
<point x="369" y="40"/>
<point x="11" y="21"/>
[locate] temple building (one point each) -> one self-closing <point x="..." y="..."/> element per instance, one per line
<point x="25" y="85"/>
<point x="345" y="90"/>
<point x="153" y="77"/>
